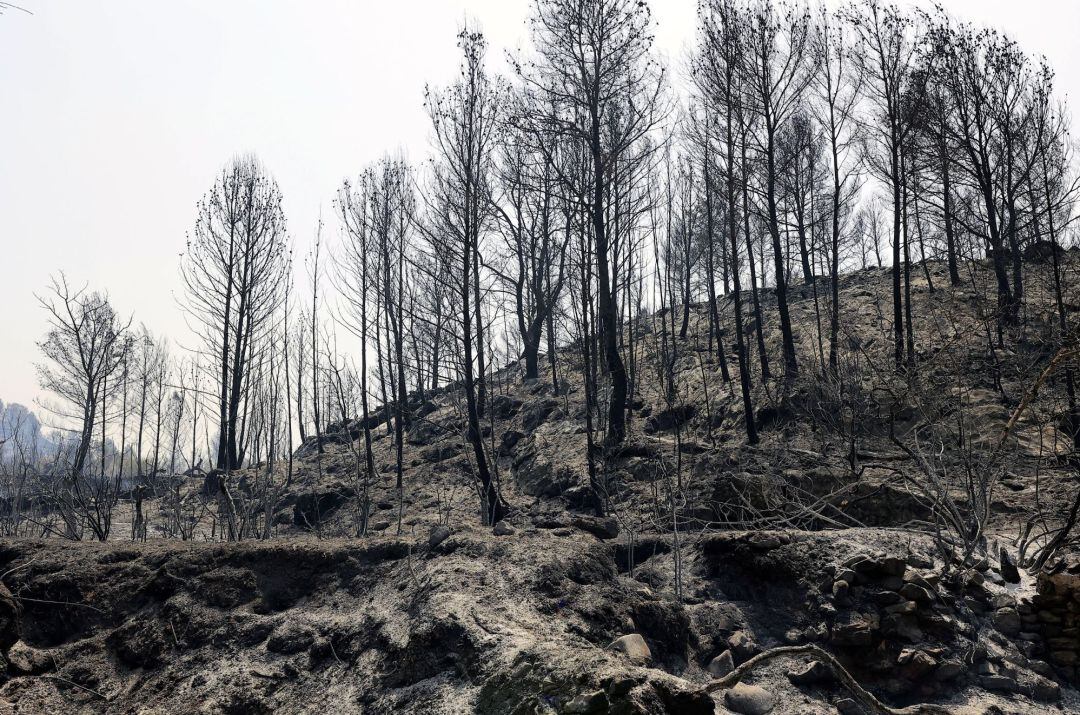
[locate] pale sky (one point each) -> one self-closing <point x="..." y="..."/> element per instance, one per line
<point x="116" y="114"/>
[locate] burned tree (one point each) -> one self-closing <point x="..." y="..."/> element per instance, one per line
<point x="85" y="349"/>
<point x="234" y="270"/>
<point x="464" y="119"/>
<point x="595" y="83"/>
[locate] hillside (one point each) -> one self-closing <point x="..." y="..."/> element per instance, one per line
<point x="828" y="533"/>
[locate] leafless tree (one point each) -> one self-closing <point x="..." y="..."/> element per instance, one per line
<point x="464" y="119"/>
<point x="594" y="82"/>
<point x="234" y="270"/>
<point x="84" y="350"/>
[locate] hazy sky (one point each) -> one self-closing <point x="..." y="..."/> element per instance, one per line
<point x="116" y="114"/>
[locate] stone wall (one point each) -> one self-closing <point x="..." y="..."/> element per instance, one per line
<point x="1050" y="620"/>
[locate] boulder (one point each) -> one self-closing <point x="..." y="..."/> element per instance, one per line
<point x="537" y="475"/>
<point x="1044" y="690"/>
<point x="813" y="673"/>
<point x="848" y="706"/>
<point x="438" y="535"/>
<point x="441" y="452"/>
<point x="670" y="418"/>
<point x="502" y="528"/>
<point x="742" y="646"/>
<point x="537" y="413"/>
<point x="721" y="665"/>
<point x="314" y="505"/>
<point x="1008" y="569"/>
<point x="916" y="593"/>
<point x="1007" y="620"/>
<point x="423" y="433"/>
<point x="601" y="527"/>
<point x="1000" y="683"/>
<point x="633" y="646"/>
<point x="504" y="406"/>
<point x="749" y="699"/>
<point x="586" y="703"/>
<point x="855" y="630"/>
<point x="509" y="441"/>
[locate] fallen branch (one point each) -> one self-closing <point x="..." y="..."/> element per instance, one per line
<point x="57" y="603"/>
<point x="73" y="684"/>
<point x="861" y="694"/>
<point x="20" y="566"/>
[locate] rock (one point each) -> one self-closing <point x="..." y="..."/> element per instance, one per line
<point x="620" y="685"/>
<point x="916" y="593"/>
<point x="814" y="672"/>
<point x="1041" y="667"/>
<point x="670" y="419"/>
<point x="879" y="568"/>
<point x="847" y="706"/>
<point x="537" y="413"/>
<point x="633" y="646"/>
<point x="886" y="598"/>
<point x="604" y="528"/>
<point x="441" y="452"/>
<point x="1045" y="690"/>
<point x="438" y="535"/>
<point x="902" y="626"/>
<point x="893" y="566"/>
<point x="749" y="699"/>
<point x="916" y="664"/>
<point x="847" y="575"/>
<point x="1000" y="683"/>
<point x="1002" y="600"/>
<point x="1009" y="572"/>
<point x="313" y="506"/>
<point x="1007" y="620"/>
<point x="841" y="592"/>
<point x="504" y="406"/>
<point x="503" y="529"/>
<point x="678" y="699"/>
<point x="509" y="442"/>
<point x="855" y="630"/>
<point x="904" y="608"/>
<point x="578" y="497"/>
<point x="721" y="665"/>
<point x="423" y="433"/>
<point x="538" y="475"/>
<point x="949" y="670"/>
<point x="25" y="660"/>
<point x="586" y="703"/>
<point x="742" y="646"/>
<point x="379" y="525"/>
